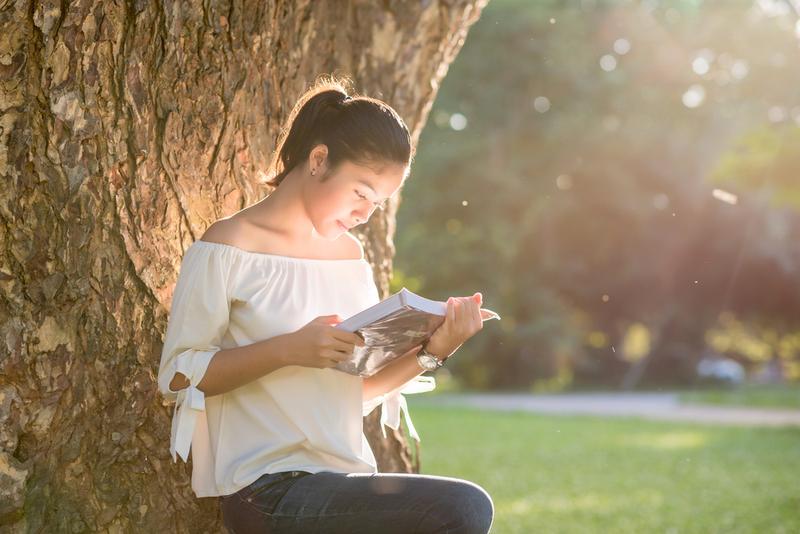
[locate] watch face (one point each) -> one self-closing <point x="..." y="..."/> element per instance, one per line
<point x="429" y="362"/>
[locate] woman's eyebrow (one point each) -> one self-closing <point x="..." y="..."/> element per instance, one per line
<point x="369" y="185"/>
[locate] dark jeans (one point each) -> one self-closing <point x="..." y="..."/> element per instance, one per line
<point x="385" y="503"/>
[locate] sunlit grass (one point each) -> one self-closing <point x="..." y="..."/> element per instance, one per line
<point x="585" y="474"/>
<point x="754" y="396"/>
<point x="665" y="440"/>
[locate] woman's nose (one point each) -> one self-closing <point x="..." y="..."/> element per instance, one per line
<point x="361" y="216"/>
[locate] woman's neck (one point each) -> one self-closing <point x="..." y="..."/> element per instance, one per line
<point x="284" y="212"/>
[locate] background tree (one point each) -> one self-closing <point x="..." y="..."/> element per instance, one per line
<point x="127" y="129"/>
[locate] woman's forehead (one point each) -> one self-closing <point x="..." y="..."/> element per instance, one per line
<point x="383" y="176"/>
<point x="378" y="168"/>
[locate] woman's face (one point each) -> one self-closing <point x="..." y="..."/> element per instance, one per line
<point x="350" y="195"/>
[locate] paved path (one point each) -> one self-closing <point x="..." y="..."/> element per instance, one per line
<point x="664" y="406"/>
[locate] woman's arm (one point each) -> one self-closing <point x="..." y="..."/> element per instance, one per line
<point x="402" y="370"/>
<point x="231" y="368"/>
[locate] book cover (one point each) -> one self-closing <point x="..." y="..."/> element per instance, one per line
<point x="392" y="327"/>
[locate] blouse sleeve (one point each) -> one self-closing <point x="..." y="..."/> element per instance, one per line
<point x="393" y="402"/>
<point x="197" y="322"/>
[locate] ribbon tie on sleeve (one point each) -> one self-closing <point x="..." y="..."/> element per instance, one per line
<point x="394" y="402"/>
<point x="190" y="403"/>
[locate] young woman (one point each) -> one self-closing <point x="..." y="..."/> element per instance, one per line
<point x="276" y="433"/>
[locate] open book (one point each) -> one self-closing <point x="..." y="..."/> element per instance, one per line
<point x="392" y="327"/>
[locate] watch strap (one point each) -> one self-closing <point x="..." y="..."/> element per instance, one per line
<point x="424" y="350"/>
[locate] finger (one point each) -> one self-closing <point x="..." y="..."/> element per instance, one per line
<point x="342" y="347"/>
<point x="475" y="308"/>
<point x="359" y="339"/>
<point x="328" y="319"/>
<point x="337" y="356"/>
<point x="462" y="312"/>
<point x="456" y="315"/>
<point x="355" y="338"/>
<point x="475" y="303"/>
<point x="352" y="338"/>
<point x="466" y="316"/>
<point x="451" y="310"/>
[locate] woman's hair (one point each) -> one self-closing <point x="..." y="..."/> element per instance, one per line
<point x="358" y="129"/>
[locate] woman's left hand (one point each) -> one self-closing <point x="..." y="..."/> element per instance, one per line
<point x="462" y="321"/>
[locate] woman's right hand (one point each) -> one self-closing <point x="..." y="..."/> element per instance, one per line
<point x="319" y="344"/>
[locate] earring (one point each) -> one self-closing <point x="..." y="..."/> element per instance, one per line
<point x="312" y="172"/>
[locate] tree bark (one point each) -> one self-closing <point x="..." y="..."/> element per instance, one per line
<point x="127" y="128"/>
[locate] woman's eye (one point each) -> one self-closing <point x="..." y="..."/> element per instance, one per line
<point x="379" y="205"/>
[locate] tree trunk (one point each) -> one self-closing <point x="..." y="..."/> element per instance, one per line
<point x="127" y="128"/>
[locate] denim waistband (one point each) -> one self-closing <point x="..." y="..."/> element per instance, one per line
<point x="266" y="480"/>
<point x="288" y="474"/>
<point x="271" y="478"/>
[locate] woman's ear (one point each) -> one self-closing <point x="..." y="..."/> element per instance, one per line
<point x="318" y="159"/>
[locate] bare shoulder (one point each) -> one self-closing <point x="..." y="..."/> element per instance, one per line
<point x="224" y="231"/>
<point x="238" y="232"/>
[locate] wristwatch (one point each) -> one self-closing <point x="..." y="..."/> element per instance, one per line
<point x="428" y="361"/>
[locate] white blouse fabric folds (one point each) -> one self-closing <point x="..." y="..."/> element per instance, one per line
<point x="294" y="418"/>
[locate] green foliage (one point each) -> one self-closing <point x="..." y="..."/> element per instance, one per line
<point x="400" y="280"/>
<point x="579" y="200"/>
<point x="767" y="158"/>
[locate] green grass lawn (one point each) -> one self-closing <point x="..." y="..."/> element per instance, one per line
<point x="585" y="474"/>
<point x="753" y="396"/>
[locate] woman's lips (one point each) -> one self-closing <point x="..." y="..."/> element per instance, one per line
<point x="343" y="227"/>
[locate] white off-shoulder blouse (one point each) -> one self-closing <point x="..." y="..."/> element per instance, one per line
<point x="294" y="418"/>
